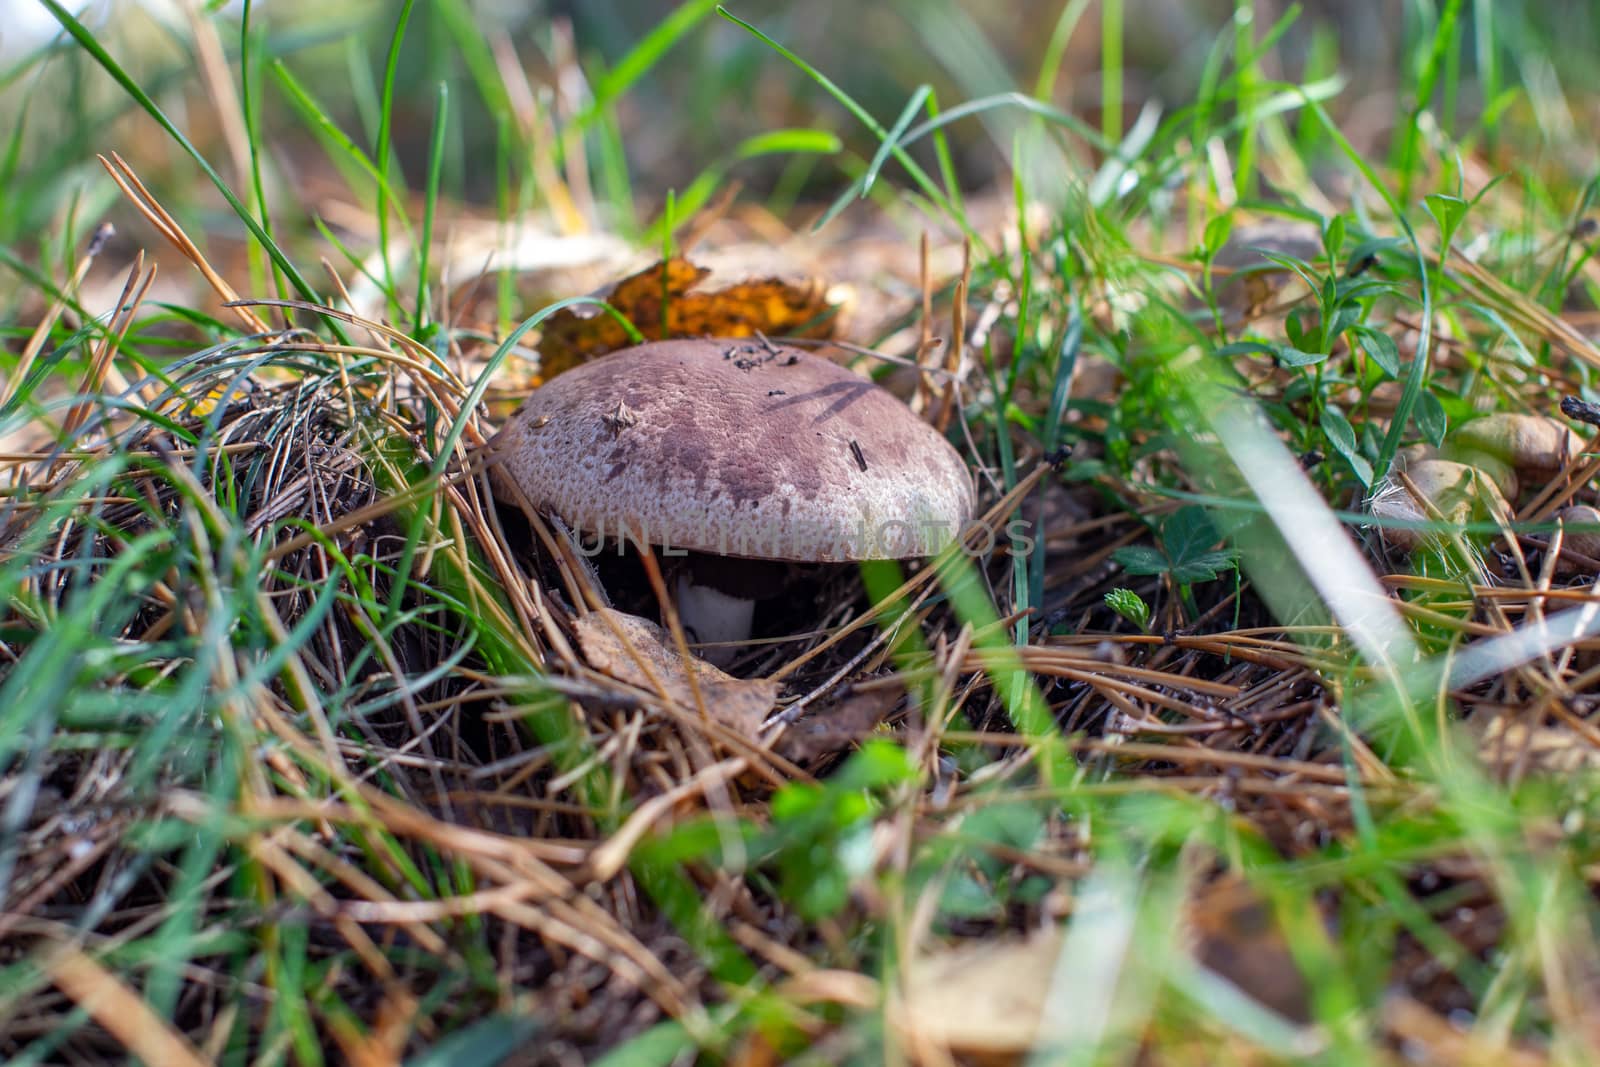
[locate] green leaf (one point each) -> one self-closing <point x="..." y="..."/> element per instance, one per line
<point x="795" y="801"/>
<point x="1373" y="247"/>
<point x="1247" y="348"/>
<point x="896" y="132"/>
<point x="1217" y="231"/>
<point x="1342" y="437"/>
<point x="1300" y="328"/>
<point x="1350" y="290"/>
<point x="1381" y="349"/>
<point x="1333" y="236"/>
<point x="877" y="764"/>
<point x="1187" y="532"/>
<point x="1013" y="825"/>
<point x="1286" y="355"/>
<point x="1131" y="606"/>
<point x="1204" y="567"/>
<point x="1187" y="537"/>
<point x="1345" y="317"/>
<point x="1447" y="211"/>
<point x="1295" y="357"/>
<point x="1141" y="559"/>
<point x="964" y="897"/>
<point x="1431" y="418"/>
<point x="483" y="1044"/>
<point x="1338" y="430"/>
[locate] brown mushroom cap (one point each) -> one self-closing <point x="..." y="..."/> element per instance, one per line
<point x="736" y="448"/>
<point x="1533" y="444"/>
<point x="1459" y="492"/>
<point x="1582" y="541"/>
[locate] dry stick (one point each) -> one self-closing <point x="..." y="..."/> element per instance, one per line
<point x="41" y="333"/>
<point x="526" y="601"/>
<point x="1047" y="655"/>
<point x="376" y="510"/>
<point x="583" y="588"/>
<point x="1449" y="534"/>
<point x="125" y="1015"/>
<point x="219" y="84"/>
<point x="1318" y="772"/>
<point x="1535" y="317"/>
<point x="777" y="770"/>
<point x="421" y="360"/>
<point x="168" y="227"/>
<point x="580" y="929"/>
<point x="86" y="851"/>
<point x="1471" y="593"/>
<point x="294" y="877"/>
<point x="669" y="612"/>
<point x="359" y="881"/>
<point x="238" y="448"/>
<point x="608" y="860"/>
<point x="920" y="398"/>
<point x="491" y="854"/>
<point x="1100" y="681"/>
<point x="133" y="293"/>
<point x="1413" y="1024"/>
<point x="942" y="708"/>
<point x="923" y="371"/>
<point x="570" y="89"/>
<point x="958" y="338"/>
<point x="377" y="335"/>
<point x="1556" y="694"/>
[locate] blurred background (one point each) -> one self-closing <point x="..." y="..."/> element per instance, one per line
<point x="522" y="77"/>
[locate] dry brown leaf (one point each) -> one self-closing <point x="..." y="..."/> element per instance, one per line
<point x="736" y="703"/>
<point x="770" y="305"/>
<point x="983" y="998"/>
<point x="1237" y="937"/>
<point x="839" y="725"/>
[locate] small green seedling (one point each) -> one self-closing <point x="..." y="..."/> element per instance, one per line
<point x="1187" y="554"/>
<point x="1131" y="606"/>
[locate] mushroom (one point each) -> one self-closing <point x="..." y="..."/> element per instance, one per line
<point x="1583" y="541"/>
<point x="1508" y="444"/>
<point x="1461" y="493"/>
<point x="730" y="452"/>
<point x="1477" y="471"/>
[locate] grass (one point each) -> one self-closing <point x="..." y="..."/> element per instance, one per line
<point x="305" y="760"/>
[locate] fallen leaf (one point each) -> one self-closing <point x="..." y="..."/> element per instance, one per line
<point x="660" y="303"/>
<point x="837" y="726"/>
<point x="606" y="637"/>
<point x="1237" y="937"/>
<point x="984" y="997"/>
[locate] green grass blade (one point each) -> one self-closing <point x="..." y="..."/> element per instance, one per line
<point x="90" y="44"/>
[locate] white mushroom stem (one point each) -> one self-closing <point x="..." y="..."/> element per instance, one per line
<point x="714" y="617"/>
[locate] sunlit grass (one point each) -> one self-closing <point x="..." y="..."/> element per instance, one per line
<point x="320" y="773"/>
